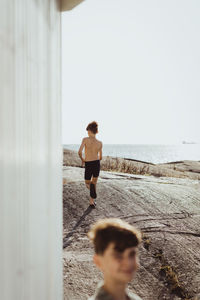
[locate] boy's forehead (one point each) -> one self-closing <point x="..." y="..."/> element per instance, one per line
<point x="112" y="247"/>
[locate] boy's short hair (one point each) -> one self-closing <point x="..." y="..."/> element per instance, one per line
<point x="93" y="127"/>
<point x="116" y="231"/>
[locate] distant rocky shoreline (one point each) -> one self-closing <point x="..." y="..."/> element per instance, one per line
<point x="180" y="169"/>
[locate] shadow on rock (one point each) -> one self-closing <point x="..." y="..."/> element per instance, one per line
<point x="66" y="240"/>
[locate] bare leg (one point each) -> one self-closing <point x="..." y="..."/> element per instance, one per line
<point x="93" y="187"/>
<point x="92" y="201"/>
<point x="87" y="183"/>
<point x="94" y="180"/>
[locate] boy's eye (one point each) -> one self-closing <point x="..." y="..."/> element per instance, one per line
<point x="117" y="255"/>
<point x="132" y="253"/>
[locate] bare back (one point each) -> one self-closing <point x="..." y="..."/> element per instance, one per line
<point x="93" y="149"/>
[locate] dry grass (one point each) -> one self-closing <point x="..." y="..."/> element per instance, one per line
<point x="170" y="276"/>
<point x="146" y="242"/>
<point x="124" y="166"/>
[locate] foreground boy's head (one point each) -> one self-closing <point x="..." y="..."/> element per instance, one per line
<point x="116" y="249"/>
<point x="92" y="128"/>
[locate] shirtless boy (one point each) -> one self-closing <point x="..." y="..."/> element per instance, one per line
<point x="93" y="155"/>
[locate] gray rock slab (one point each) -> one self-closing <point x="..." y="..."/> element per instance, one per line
<point x="166" y="210"/>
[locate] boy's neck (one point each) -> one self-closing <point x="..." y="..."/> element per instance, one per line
<point x="115" y="289"/>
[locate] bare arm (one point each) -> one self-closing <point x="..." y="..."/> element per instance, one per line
<point x="81" y="149"/>
<point x="100" y="152"/>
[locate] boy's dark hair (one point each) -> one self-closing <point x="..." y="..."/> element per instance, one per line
<point x="116" y="231"/>
<point x="93" y="127"/>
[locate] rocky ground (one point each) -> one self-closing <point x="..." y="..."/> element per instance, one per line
<point x="166" y="209"/>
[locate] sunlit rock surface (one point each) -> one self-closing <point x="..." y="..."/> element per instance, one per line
<point x="167" y="210"/>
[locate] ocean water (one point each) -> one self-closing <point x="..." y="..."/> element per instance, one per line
<point x="150" y="153"/>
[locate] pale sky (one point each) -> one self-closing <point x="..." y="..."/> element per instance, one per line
<point x="134" y="67"/>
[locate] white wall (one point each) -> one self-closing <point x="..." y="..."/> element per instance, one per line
<point x="30" y="151"/>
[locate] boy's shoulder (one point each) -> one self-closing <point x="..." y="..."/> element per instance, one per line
<point x="101" y="294"/>
<point x="133" y="296"/>
<point x="100" y="142"/>
<point x="130" y="295"/>
<point x="85" y="140"/>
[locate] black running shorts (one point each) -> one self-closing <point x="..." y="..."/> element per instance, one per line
<point x="92" y="168"/>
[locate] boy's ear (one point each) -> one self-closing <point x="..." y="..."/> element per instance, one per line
<point x="97" y="260"/>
